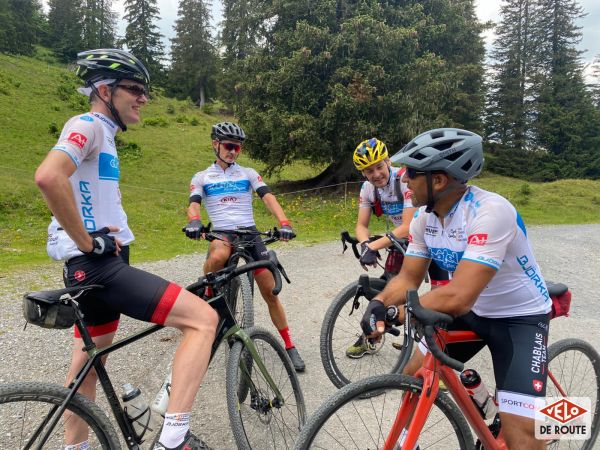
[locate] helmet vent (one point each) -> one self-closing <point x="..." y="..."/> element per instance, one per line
<point x="454" y="156"/>
<point x="467" y="166"/>
<point x="419" y="156"/>
<point x="437" y="134"/>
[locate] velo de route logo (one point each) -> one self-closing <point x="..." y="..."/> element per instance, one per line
<point x="563" y="418"/>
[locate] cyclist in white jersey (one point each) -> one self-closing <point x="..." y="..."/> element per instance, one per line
<point x="496" y="287"/>
<point x="89" y="231"/>
<point x="226" y="188"/>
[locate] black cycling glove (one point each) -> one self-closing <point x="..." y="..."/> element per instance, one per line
<point x="193" y="230"/>
<point x="368" y="257"/>
<point x="102" y="242"/>
<point x="376" y="311"/>
<point x="286" y="232"/>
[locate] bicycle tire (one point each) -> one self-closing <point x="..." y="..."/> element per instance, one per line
<point x="576" y="366"/>
<point x="255" y="422"/>
<point x="343" y="417"/>
<point x="242" y="288"/>
<point x="339" y="331"/>
<point x="24" y="404"/>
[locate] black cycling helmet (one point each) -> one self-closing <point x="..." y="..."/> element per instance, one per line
<point x="95" y="65"/>
<point x="227" y="130"/>
<point x="110" y="63"/>
<point x="457" y="152"/>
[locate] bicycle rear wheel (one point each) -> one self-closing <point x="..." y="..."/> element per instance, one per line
<point x="240" y="300"/>
<point x="354" y="418"/>
<point x="340" y="331"/>
<point x="256" y="420"/>
<point x="25" y="406"/>
<point x="575" y="365"/>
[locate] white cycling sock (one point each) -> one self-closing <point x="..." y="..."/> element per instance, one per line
<point x="174" y="429"/>
<point x="85" y="445"/>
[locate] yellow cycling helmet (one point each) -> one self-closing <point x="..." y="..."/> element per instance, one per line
<point x="369" y="152"/>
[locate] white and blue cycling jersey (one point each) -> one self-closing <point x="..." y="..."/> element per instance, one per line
<point x="227" y="195"/>
<point x="89" y="140"/>
<point x="393" y="203"/>
<point x="483" y="227"/>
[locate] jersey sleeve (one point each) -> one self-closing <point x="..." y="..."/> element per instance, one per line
<point x="416" y="236"/>
<point x="77" y="139"/>
<point x="366" y="198"/>
<point x="490" y="232"/>
<point x="256" y="180"/>
<point x="197" y="186"/>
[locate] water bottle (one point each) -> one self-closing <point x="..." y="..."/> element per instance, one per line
<point x="479" y="393"/>
<point x="137" y="411"/>
<point x="160" y="403"/>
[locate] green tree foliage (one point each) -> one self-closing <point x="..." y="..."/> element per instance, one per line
<point x="143" y="38"/>
<point x="21" y="26"/>
<point x="194" y="58"/>
<point x="64" y="25"/>
<point x="330" y="73"/>
<point x="510" y="110"/>
<point x="99" y="23"/>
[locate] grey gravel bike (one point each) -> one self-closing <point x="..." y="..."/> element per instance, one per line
<point x="264" y="398"/>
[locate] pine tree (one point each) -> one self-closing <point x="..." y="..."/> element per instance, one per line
<point x="143" y="38"/>
<point x="510" y="110"/>
<point x="194" y="59"/>
<point x="567" y="122"/>
<point x="65" y="32"/>
<point x="99" y="21"/>
<point x="21" y="25"/>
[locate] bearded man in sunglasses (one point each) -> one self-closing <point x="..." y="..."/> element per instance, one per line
<point x="226" y="189"/>
<point x="496" y="287"/>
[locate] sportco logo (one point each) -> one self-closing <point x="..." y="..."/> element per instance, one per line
<point x="478" y="239"/>
<point x="563" y="411"/>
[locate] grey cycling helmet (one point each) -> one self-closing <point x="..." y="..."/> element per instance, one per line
<point x="227" y="130"/>
<point x="454" y="151"/>
<point x="95" y="65"/>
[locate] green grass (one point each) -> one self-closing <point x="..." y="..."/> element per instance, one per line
<point x="37" y="95"/>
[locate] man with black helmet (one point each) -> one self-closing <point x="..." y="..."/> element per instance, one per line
<point x="79" y="179"/>
<point x="226" y="189"/>
<point x="496" y="287"/>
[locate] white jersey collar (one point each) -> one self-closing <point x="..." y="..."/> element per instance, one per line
<point x="108" y="123"/>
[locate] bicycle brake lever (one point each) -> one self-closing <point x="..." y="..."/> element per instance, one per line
<point x="283" y="273"/>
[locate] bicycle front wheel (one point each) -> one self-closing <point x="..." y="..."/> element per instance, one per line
<point x="257" y="419"/>
<point x="361" y="415"/>
<point x="241" y="300"/>
<point x="574" y="368"/>
<point x="343" y="358"/>
<point x="25" y="407"/>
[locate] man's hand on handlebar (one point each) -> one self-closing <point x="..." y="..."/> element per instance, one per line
<point x="194" y="229"/>
<point x="378" y="319"/>
<point x="368" y="256"/>
<point x="286" y="232"/>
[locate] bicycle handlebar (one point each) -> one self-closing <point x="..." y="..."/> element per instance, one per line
<point x="219" y="278"/>
<point x="271" y="236"/>
<point x="430" y="320"/>
<point x="398" y="244"/>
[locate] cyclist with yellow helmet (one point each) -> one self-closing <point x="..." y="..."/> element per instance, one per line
<point x="383" y="193"/>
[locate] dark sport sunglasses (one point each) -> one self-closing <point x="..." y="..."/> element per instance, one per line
<point x="413" y="173"/>
<point x="133" y="89"/>
<point x="231" y="147"/>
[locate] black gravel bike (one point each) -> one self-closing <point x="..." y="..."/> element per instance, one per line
<point x="264" y="398"/>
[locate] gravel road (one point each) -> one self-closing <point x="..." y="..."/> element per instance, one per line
<point x="567" y="254"/>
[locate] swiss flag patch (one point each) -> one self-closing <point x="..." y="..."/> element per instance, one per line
<point x="538" y="385"/>
<point x="78" y="139"/>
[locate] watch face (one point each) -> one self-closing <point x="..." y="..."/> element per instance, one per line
<point x="391" y="313"/>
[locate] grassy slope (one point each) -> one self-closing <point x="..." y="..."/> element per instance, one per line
<point x="155" y="181"/>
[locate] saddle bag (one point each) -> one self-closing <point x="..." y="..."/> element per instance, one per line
<point x="57" y="314"/>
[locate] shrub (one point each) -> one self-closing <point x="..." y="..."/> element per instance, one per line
<point x="53" y="129"/>
<point x="158" y="121"/>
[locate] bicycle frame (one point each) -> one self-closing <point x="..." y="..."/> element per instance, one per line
<point x="227" y="329"/>
<point x="415" y="407"/>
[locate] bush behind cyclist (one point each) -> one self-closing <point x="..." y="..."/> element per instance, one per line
<point x="226" y="188"/>
<point x="496" y="287"/>
<point x="79" y="179"/>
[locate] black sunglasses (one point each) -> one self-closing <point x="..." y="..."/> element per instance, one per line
<point x="229" y="146"/>
<point x="134" y="89"/>
<point x="413" y="173"/>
